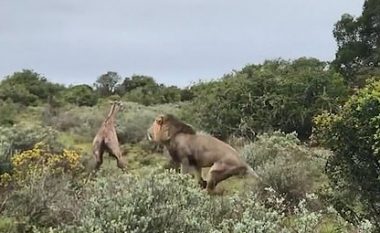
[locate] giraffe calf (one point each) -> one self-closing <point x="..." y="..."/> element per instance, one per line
<point x="106" y="139"/>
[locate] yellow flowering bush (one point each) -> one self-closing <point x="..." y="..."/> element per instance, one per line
<point x="36" y="161"/>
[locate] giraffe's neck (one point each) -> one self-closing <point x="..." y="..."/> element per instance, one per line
<point x="111" y="115"/>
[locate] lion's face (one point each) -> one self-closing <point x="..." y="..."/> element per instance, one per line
<point x="159" y="131"/>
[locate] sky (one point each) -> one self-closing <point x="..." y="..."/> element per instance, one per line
<point x="177" y="42"/>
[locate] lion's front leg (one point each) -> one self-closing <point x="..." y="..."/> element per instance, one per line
<point x="185" y="166"/>
<point x="198" y="174"/>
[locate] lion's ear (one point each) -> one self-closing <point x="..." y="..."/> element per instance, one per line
<point x="160" y="120"/>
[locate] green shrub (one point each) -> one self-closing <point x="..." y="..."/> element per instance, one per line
<point x="7" y="225"/>
<point x="285" y="165"/>
<point x="133" y="124"/>
<point x="144" y="90"/>
<point x="43" y="200"/>
<point x="170" y="202"/>
<point x="8" y="110"/>
<point x="80" y="121"/>
<point x="156" y="201"/>
<point x="354" y="169"/>
<point x="28" y="88"/>
<point x="24" y="137"/>
<point x="81" y="95"/>
<point x="276" y="95"/>
<point x="20" y="138"/>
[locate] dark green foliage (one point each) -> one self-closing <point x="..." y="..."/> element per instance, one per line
<point x="28" y="88"/>
<point x="186" y="94"/>
<point x="151" y="95"/>
<point x="7" y="112"/>
<point x="147" y="95"/>
<point x="354" y="170"/>
<point x="358" y="42"/>
<point x="144" y="90"/>
<point x="276" y="95"/>
<point x="106" y="84"/>
<point x="81" y="95"/>
<point x="134" y="82"/>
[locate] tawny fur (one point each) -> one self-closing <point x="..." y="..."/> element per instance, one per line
<point x="194" y="151"/>
<point x="106" y="139"/>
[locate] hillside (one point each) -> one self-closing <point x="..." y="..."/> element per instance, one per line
<point x="308" y="128"/>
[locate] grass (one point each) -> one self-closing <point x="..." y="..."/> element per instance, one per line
<point x="30" y="115"/>
<point x="7" y="224"/>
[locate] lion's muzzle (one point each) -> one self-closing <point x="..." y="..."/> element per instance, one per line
<point x="149" y="136"/>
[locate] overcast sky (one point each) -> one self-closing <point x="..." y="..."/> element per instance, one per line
<point x="174" y="41"/>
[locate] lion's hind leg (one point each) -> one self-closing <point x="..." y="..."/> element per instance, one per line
<point x="215" y="175"/>
<point x="219" y="172"/>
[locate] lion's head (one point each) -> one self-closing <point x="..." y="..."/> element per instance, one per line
<point x="165" y="127"/>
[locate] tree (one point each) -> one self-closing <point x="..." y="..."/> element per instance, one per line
<point x="354" y="169"/>
<point x="134" y="82"/>
<point x="276" y="95"/>
<point x="170" y="94"/>
<point x="145" y="90"/>
<point x="28" y="88"/>
<point x="358" y="40"/>
<point x="187" y="94"/>
<point x="106" y="84"/>
<point x="81" y="95"/>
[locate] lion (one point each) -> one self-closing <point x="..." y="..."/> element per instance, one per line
<point x="194" y="151"/>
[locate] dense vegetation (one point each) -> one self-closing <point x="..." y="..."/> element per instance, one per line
<point x="275" y="95"/>
<point x="309" y="128"/>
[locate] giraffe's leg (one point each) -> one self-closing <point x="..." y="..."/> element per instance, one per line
<point x="98" y="150"/>
<point x="114" y="150"/>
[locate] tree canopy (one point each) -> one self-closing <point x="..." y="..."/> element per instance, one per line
<point x="276" y="95"/>
<point x="28" y="88"/>
<point x="358" y="40"/>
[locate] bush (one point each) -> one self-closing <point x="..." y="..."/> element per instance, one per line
<point x="24" y="137"/>
<point x="289" y="168"/>
<point x="40" y="182"/>
<point x="170" y="202"/>
<point x="155" y="201"/>
<point x="133" y="124"/>
<point x="144" y="90"/>
<point x="19" y="138"/>
<point x="8" y="110"/>
<point x="81" y="121"/>
<point x="354" y="136"/>
<point x="80" y="95"/>
<point x="43" y="200"/>
<point x="277" y="95"/>
<point x="28" y="88"/>
<point x="34" y="162"/>
<point x="7" y="225"/>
